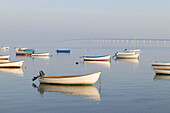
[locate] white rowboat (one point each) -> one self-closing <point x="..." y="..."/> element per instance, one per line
<point x="97" y="58"/>
<point x="4" y="48"/>
<point x="70" y="80"/>
<point x="14" y="64"/>
<point x="124" y="55"/>
<point x="162" y="71"/>
<point x="130" y="51"/>
<point x="40" y="54"/>
<point x="161" y="63"/>
<point x="5" y="57"/>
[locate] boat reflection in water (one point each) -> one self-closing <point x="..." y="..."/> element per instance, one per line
<point x="135" y="61"/>
<point x="17" y="71"/>
<point x="161" y="77"/>
<point x="87" y="92"/>
<point x="100" y="63"/>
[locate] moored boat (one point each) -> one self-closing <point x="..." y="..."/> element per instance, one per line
<point x="161" y="63"/>
<point x="4" y="57"/>
<point x="23" y="53"/>
<point x="86" y="79"/>
<point x="162" y="70"/>
<point x="63" y="50"/>
<point x="4" y="47"/>
<point x="97" y="58"/>
<point x="134" y="50"/>
<point x="124" y="55"/>
<point x="40" y="54"/>
<point x="13" y="64"/>
<point x="20" y="49"/>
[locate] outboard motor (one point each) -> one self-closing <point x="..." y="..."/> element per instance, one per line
<point x="42" y="73"/>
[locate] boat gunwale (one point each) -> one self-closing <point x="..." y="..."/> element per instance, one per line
<point x="55" y="76"/>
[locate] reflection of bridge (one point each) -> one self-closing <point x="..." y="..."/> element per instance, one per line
<point x="119" y="41"/>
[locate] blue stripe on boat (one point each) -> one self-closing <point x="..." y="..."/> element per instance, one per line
<point x="30" y="50"/>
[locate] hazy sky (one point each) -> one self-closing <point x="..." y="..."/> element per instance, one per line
<point x="57" y="20"/>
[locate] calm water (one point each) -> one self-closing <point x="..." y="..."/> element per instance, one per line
<point x="127" y="86"/>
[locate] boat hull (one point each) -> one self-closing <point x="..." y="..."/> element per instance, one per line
<point x="71" y="80"/>
<point x="15" y="64"/>
<point x="23" y="53"/>
<point x="4" y="48"/>
<point x="40" y="54"/>
<point x="126" y="56"/>
<point x="161" y="63"/>
<point x="97" y="58"/>
<point x="162" y="71"/>
<point x="130" y="51"/>
<point x="63" y="51"/>
<point x="4" y="57"/>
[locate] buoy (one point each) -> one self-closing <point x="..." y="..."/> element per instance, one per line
<point x="25" y="67"/>
<point x="77" y="63"/>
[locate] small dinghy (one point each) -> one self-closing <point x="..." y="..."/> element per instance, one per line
<point x="125" y="55"/>
<point x="86" y="79"/>
<point x="63" y="50"/>
<point x="4" y="48"/>
<point x="161" y="63"/>
<point x="23" y="53"/>
<point x="40" y="54"/>
<point x="97" y="58"/>
<point x="4" y="57"/>
<point x="162" y="70"/>
<point x="133" y="50"/>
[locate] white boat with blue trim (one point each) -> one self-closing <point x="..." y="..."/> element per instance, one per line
<point x="97" y="58"/>
<point x="161" y="63"/>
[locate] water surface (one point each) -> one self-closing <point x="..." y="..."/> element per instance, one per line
<point x="127" y="86"/>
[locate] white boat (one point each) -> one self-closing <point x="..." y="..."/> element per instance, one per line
<point x="124" y="55"/>
<point x="4" y="47"/>
<point x="131" y="51"/>
<point x="97" y="58"/>
<point x="5" y="57"/>
<point x="70" y="80"/>
<point x="14" y="64"/>
<point x="40" y="54"/>
<point x="162" y="71"/>
<point x="161" y="63"/>
<point x="20" y="49"/>
<point x="87" y="92"/>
